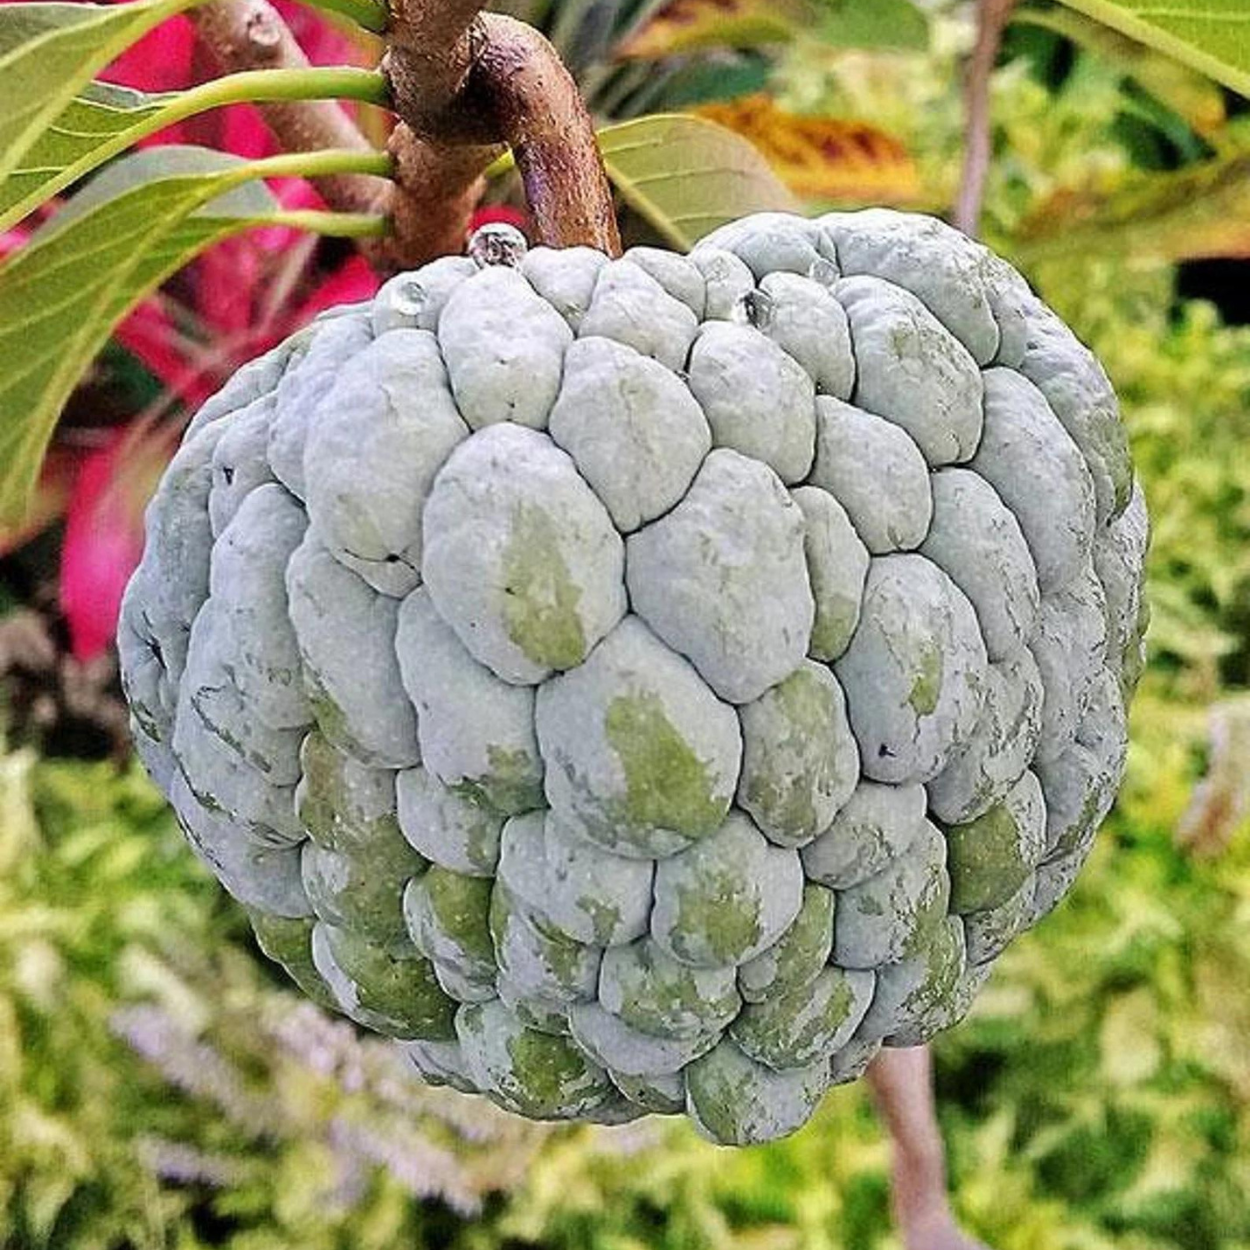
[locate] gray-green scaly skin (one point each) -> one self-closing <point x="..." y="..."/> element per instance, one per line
<point x="651" y="685"/>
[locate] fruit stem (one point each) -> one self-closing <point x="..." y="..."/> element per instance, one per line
<point x="541" y="114"/>
<point x="464" y="84"/>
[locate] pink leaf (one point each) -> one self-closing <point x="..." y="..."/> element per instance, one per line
<point x="148" y="333"/>
<point x="161" y="61"/>
<point x="242" y="130"/>
<point x="353" y="281"/>
<point x="491" y="214"/>
<point x="227" y="278"/>
<point x="104" y="531"/>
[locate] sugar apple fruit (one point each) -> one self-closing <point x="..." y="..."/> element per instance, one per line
<point x="654" y="684"/>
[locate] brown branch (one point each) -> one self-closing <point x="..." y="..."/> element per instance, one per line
<point x="430" y="53"/>
<point x="464" y="86"/>
<point x="471" y="85"/>
<point x="992" y="16"/>
<point x="437" y="186"/>
<point x="541" y="115"/>
<point x="250" y="34"/>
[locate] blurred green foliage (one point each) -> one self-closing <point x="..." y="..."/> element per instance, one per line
<point x="160" y="1088"/>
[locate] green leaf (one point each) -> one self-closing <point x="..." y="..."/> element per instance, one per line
<point x="1200" y="211"/>
<point x="1193" y="96"/>
<point x="1210" y="35"/>
<point x="680" y="27"/>
<point x="706" y="80"/>
<point x="894" y="24"/>
<point x="686" y="176"/>
<point x="372" y="15"/>
<point x="104" y="120"/>
<point x="88" y="125"/>
<point x="683" y="26"/>
<point x="50" y="52"/>
<point x="137" y="223"/>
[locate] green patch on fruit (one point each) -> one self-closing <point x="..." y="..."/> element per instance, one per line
<point x="788" y="769"/>
<point x="717" y="1096"/>
<point x="510" y="788"/>
<point x="903" y="340"/>
<point x="319" y="788"/>
<point x="1073" y="836"/>
<point x="665" y="1095"/>
<point x="927" y="686"/>
<point x="667" y="786"/>
<point x="805" y="704"/>
<point x="797" y="957"/>
<point x="563" y="955"/>
<point x="929" y="917"/>
<point x="604" y="916"/>
<point x="798" y="1027"/>
<point x="362" y="891"/>
<point x="534" y="1011"/>
<point x="713" y="915"/>
<point x="566" y="968"/>
<point x="482" y="845"/>
<point x="984" y="860"/>
<point x="540" y="598"/>
<point x="460" y="905"/>
<point x="654" y="993"/>
<point x="943" y="967"/>
<point x="402" y="989"/>
<point x="330" y="717"/>
<point x="834" y="624"/>
<point x="548" y="1070"/>
<point x="289" y="943"/>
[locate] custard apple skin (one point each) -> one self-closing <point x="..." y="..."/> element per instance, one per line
<point x="651" y="685"/>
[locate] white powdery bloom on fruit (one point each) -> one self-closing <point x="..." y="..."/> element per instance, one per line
<point x="651" y="685"/>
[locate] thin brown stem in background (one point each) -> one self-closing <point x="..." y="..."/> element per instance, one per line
<point x="992" y="17"/>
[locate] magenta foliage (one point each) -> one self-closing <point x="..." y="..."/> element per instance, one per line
<point x="237" y="300"/>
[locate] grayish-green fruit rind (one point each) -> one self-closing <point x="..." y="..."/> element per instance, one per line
<point x="651" y="685"/>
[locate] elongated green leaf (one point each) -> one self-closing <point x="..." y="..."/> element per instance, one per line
<point x="104" y="120"/>
<point x="1187" y="92"/>
<point x="50" y="52"/>
<point x="372" y="15"/>
<point x="686" y="176"/>
<point x="680" y="27"/>
<point x="1200" y="211"/>
<point x="684" y="26"/>
<point x="62" y="295"/>
<point x="88" y="124"/>
<point x="1210" y="35"/>
<point x="873" y="24"/>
